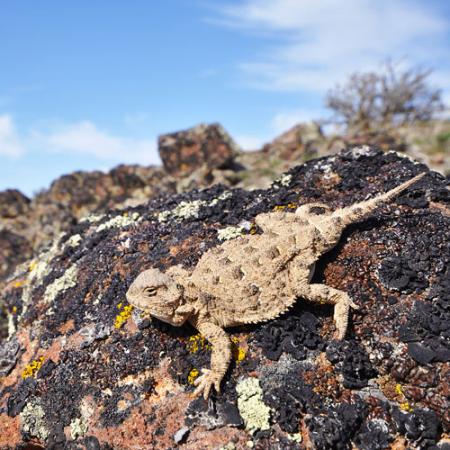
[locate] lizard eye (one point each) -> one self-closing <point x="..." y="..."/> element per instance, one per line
<point x="150" y="291"/>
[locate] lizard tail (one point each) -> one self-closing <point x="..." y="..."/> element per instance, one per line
<point x="360" y="210"/>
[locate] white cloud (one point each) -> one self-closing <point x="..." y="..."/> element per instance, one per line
<point x="287" y="119"/>
<point x="249" y="142"/>
<point x="10" y="144"/>
<point x="318" y="43"/>
<point x="86" y="138"/>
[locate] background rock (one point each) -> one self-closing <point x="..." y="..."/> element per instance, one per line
<point x="184" y="151"/>
<point x="92" y="372"/>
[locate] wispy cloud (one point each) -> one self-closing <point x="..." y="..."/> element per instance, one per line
<point x="318" y="43"/>
<point x="83" y="138"/>
<point x="10" y="144"/>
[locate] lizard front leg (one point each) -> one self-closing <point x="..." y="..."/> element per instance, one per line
<point x="220" y="358"/>
<point x="322" y="293"/>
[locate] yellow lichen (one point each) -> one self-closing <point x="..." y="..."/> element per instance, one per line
<point x="403" y="405"/>
<point x="19" y="283"/>
<point x="291" y="205"/>
<point x="238" y="352"/>
<point x="123" y="316"/>
<point x="193" y="374"/>
<point x="32" y="266"/>
<point x="32" y="368"/>
<point x="196" y="343"/>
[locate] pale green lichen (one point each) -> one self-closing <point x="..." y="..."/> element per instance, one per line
<point x="228" y="233"/>
<point x="61" y="284"/>
<point x="186" y="210"/>
<point x="78" y="427"/>
<point x="74" y="240"/>
<point x="296" y="437"/>
<point x="183" y="210"/>
<point x="37" y="270"/>
<point x="253" y="411"/>
<point x="285" y="180"/>
<point x="92" y="218"/>
<point x="32" y="420"/>
<point x="119" y="221"/>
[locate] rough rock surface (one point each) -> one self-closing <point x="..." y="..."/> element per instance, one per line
<point x="82" y="369"/>
<point x="185" y="151"/>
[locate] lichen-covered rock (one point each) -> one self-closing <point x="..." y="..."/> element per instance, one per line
<point x="203" y="145"/>
<point x="83" y="369"/>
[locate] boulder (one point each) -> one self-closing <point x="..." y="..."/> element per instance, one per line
<point x="82" y="369"/>
<point x="13" y="203"/>
<point x="299" y="143"/>
<point x="185" y="151"/>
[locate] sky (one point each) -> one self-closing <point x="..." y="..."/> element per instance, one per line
<point x="87" y="85"/>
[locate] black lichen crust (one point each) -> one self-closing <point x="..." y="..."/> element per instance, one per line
<point x="394" y="265"/>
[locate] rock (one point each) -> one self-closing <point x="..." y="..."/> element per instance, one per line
<point x="14" y="249"/>
<point x="181" y="435"/>
<point x="299" y="142"/>
<point x="13" y="203"/>
<point x="203" y="145"/>
<point x="89" y="372"/>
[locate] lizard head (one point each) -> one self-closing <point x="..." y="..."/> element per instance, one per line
<point x="157" y="293"/>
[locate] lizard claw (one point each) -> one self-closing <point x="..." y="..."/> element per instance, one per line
<point x="353" y="305"/>
<point x="205" y="382"/>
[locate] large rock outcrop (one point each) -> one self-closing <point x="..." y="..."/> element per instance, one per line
<point x="82" y="369"/>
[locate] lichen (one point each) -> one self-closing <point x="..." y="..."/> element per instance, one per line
<point x="74" y="240"/>
<point x="285" y="179"/>
<point x="228" y="233"/>
<point x="123" y="316"/>
<point x="196" y="343"/>
<point x="187" y="210"/>
<point x="37" y="270"/>
<point x="92" y="218"/>
<point x="32" y="368"/>
<point x="254" y="412"/>
<point x="238" y="352"/>
<point x="78" y="428"/>
<point x="119" y="221"/>
<point x="32" y="420"/>
<point x="184" y="210"/>
<point x="61" y="284"/>
<point x="296" y="437"/>
<point x="404" y="405"/>
<point x="192" y="376"/>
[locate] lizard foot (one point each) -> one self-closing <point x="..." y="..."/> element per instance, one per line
<point x="205" y="382"/>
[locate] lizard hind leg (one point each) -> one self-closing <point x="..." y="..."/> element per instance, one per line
<point x="321" y="293"/>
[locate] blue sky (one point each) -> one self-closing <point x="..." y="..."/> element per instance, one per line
<point x="89" y="84"/>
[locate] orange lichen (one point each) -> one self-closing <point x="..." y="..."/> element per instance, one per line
<point x="32" y="368"/>
<point x="123" y="316"/>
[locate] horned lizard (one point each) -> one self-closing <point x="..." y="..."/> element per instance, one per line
<point x="253" y="278"/>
